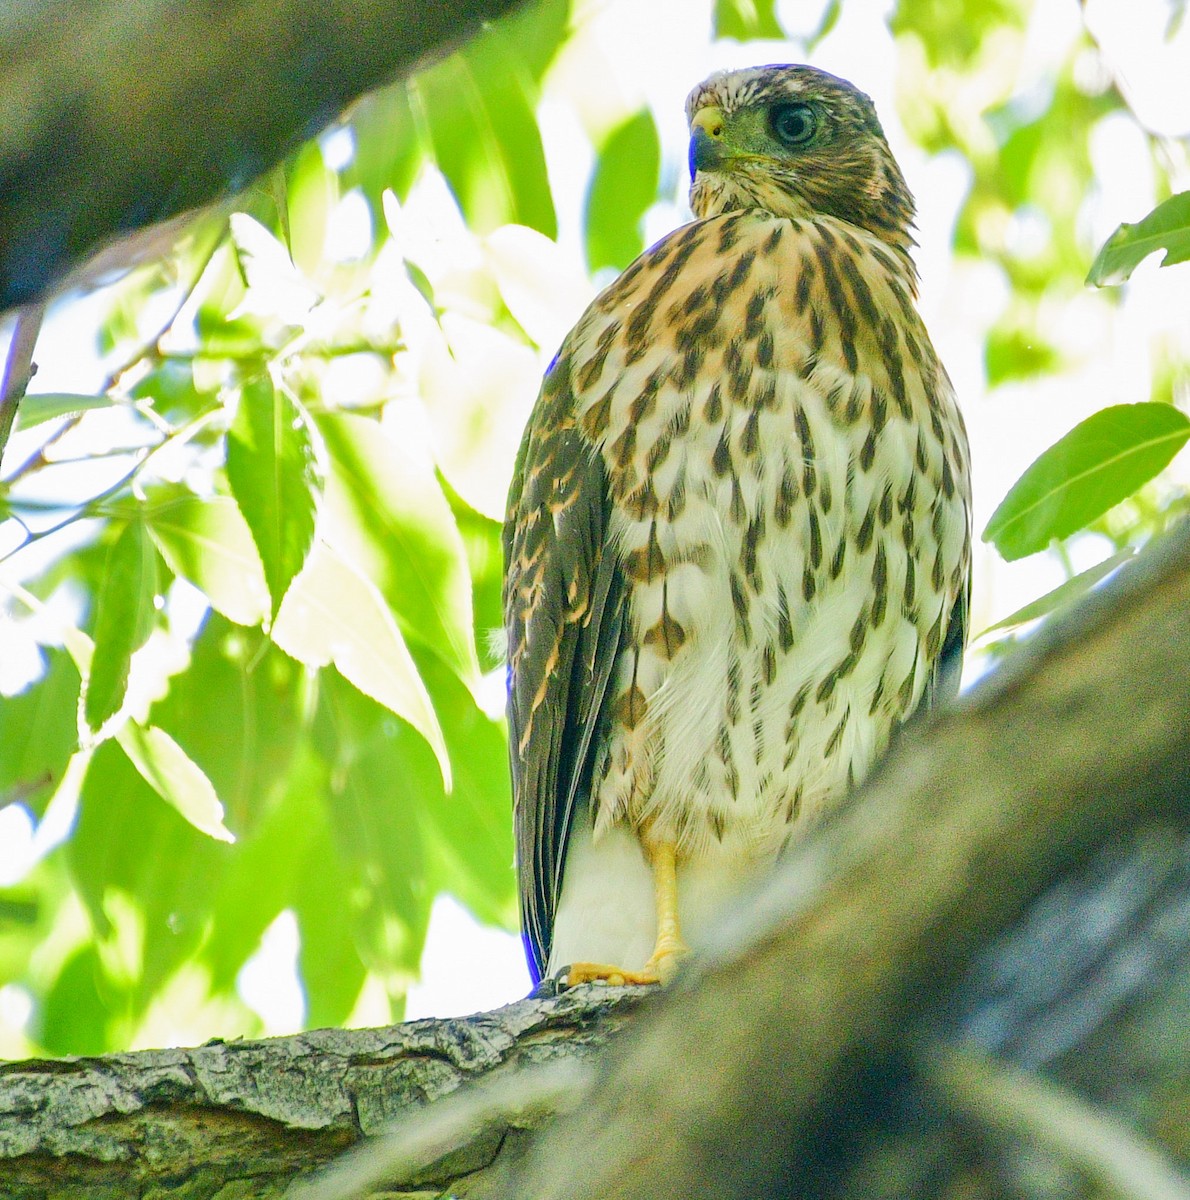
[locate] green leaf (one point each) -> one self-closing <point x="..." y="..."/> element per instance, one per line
<point x="485" y="557"/>
<point x="744" y="20"/>
<point x="1065" y="593"/>
<point x="1166" y="228"/>
<point x="74" y="1017"/>
<point x="468" y="834"/>
<point x="208" y="542"/>
<point x="275" y="479"/>
<point x="128" y="843"/>
<point x="175" y="777"/>
<point x="373" y="814"/>
<point x="39" y="732"/>
<point x="267" y="873"/>
<point x="332" y="614"/>
<point x="479" y="108"/>
<point x="1012" y="352"/>
<point x="239" y="712"/>
<point x="953" y="32"/>
<point x="1099" y="463"/>
<point x="331" y="966"/>
<point x="622" y="189"/>
<point x="386" y="514"/>
<point x="46" y="406"/>
<point x="126" y="613"/>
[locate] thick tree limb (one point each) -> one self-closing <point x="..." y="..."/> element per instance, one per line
<point x="115" y="114"/>
<point x="245" y="1118"/>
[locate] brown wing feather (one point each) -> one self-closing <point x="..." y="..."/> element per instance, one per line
<point x="563" y="612"/>
<point x="944" y="679"/>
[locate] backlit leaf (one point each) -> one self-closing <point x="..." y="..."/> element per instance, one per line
<point x="1166" y="228"/>
<point x="1065" y="593"/>
<point x="39" y="407"/>
<point x="744" y="20"/>
<point x="207" y="541"/>
<point x="126" y="612"/>
<point x="1099" y="463"/>
<point x="622" y="189"/>
<point x="274" y="477"/>
<point x="544" y="288"/>
<point x="174" y="776"/>
<point x="333" y="614"/>
<point x="373" y="815"/>
<point x="479" y="109"/>
<point x="386" y="514"/>
<point x="130" y="846"/>
<point x="39" y="732"/>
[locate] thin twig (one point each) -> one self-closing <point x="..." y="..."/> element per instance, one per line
<point x="151" y="347"/>
<point x="18" y="368"/>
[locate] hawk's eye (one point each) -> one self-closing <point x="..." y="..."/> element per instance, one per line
<point x="793" y="124"/>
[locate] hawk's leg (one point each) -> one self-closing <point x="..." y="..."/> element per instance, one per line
<point x="669" y="948"/>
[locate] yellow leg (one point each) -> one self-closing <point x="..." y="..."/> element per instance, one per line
<point x="669" y="948"/>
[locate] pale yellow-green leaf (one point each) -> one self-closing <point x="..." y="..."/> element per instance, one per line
<point x="174" y="776"/>
<point x="333" y="614"/>
<point x="479" y="385"/>
<point x="276" y="288"/>
<point x="207" y="541"/>
<point x="545" y="289"/>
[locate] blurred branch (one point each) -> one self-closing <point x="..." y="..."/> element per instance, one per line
<point x="1014" y="1102"/>
<point x="122" y="113"/>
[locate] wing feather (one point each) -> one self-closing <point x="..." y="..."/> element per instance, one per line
<point x="563" y="611"/>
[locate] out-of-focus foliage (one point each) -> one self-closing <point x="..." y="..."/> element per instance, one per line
<point x="249" y="582"/>
<point x="623" y="188"/>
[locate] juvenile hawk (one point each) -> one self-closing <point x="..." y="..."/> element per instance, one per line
<point x="737" y="547"/>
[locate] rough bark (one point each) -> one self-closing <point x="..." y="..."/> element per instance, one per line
<point x="974" y="981"/>
<point x="115" y="114"/>
<point x="246" y="1118"/>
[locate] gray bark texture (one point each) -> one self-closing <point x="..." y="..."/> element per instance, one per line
<point x="116" y="114"/>
<point x="973" y="981"/>
<point x="244" y="1119"/>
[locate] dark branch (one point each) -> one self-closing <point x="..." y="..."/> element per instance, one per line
<point x="123" y="113"/>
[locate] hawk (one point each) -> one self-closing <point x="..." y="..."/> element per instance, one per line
<point x="737" y="551"/>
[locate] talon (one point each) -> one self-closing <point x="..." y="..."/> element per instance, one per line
<point x="610" y="976"/>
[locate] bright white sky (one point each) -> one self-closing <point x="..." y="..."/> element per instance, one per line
<point x="467" y="968"/>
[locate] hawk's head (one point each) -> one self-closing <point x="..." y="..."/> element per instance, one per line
<point x="794" y="141"/>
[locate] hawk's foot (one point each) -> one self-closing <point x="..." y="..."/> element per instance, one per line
<point x="588" y="972"/>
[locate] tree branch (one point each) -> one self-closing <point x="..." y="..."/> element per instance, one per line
<point x="121" y="113"/>
<point x="245" y="1118"/>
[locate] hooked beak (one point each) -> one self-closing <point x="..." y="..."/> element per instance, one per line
<point x="707" y="151"/>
